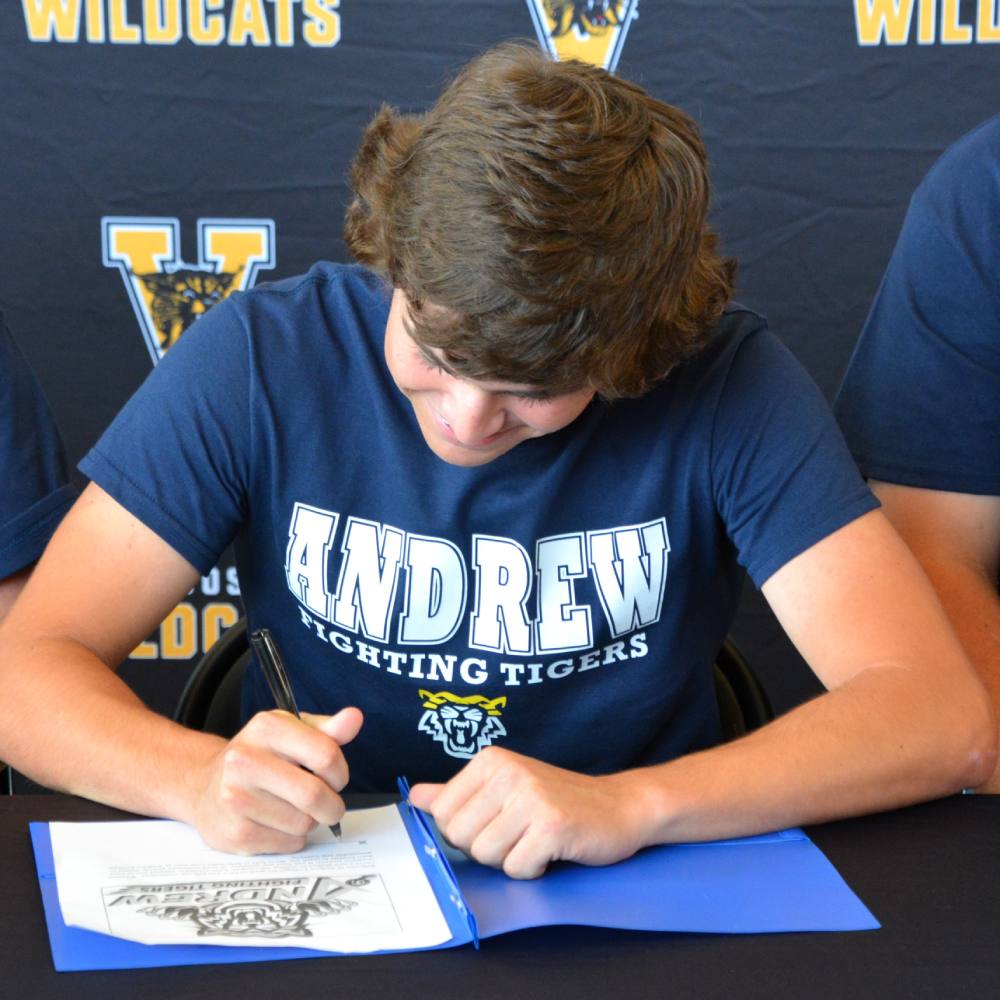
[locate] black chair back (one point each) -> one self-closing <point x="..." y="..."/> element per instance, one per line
<point x="210" y="701"/>
<point x="743" y="703"/>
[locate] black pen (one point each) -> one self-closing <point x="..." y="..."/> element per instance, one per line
<point x="273" y="664"/>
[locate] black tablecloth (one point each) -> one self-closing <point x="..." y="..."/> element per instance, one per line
<point x="930" y="874"/>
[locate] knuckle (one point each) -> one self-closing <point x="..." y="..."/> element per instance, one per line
<point x="492" y="756"/>
<point x="268" y="723"/>
<point x="327" y="757"/>
<point x="257" y="725"/>
<point x="293" y="845"/>
<point x="236" y="758"/>
<point x="483" y="854"/>
<point x="510" y="771"/>
<point x="232" y="796"/>
<point x="554" y="824"/>
<point x="301" y="826"/>
<point x="241" y="835"/>
<point x="313" y="796"/>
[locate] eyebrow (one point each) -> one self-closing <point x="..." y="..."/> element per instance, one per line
<point x="438" y="362"/>
<point x="433" y="359"/>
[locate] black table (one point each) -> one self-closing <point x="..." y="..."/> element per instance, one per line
<point x="930" y="874"/>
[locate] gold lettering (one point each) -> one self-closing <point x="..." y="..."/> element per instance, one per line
<point x="95" y="20"/>
<point x="214" y="618"/>
<point x="179" y="633"/>
<point x="284" y="25"/>
<point x="122" y="33"/>
<point x="322" y="30"/>
<point x="43" y="18"/>
<point x="247" y="20"/>
<point x="988" y="22"/>
<point x="953" y="32"/>
<point x="875" y="18"/>
<point x="204" y="30"/>
<point x="161" y="21"/>
<point x="927" y="22"/>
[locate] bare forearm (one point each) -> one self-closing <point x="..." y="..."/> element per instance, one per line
<point x="845" y="753"/>
<point x="971" y="600"/>
<point x="68" y="722"/>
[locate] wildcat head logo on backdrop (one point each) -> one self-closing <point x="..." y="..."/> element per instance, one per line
<point x="462" y="725"/>
<point x="591" y="30"/>
<point x="167" y="294"/>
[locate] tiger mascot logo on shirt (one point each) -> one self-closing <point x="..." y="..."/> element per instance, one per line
<point x="590" y="30"/>
<point x="462" y="725"/>
<point x="167" y="294"/>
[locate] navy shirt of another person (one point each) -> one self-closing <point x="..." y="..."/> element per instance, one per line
<point x="34" y="488"/>
<point x="920" y="403"/>
<point x="565" y="600"/>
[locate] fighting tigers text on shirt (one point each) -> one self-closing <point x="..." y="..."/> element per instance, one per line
<point x="627" y="565"/>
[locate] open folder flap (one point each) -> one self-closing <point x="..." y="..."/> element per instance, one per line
<point x="431" y="852"/>
<point x="762" y="885"/>
<point x="775" y="882"/>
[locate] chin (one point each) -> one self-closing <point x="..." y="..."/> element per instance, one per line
<point x="466" y="457"/>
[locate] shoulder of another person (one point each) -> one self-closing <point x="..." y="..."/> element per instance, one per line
<point x="965" y="179"/>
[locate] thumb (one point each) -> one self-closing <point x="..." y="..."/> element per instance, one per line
<point x="424" y="794"/>
<point x="341" y="728"/>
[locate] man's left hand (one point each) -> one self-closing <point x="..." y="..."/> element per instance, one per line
<point x="516" y="813"/>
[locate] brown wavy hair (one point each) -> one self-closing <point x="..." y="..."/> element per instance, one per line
<point x="557" y="216"/>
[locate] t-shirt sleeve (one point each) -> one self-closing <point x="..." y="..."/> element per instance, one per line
<point x="35" y="492"/>
<point x="177" y="455"/>
<point x="782" y="474"/>
<point x="920" y="403"/>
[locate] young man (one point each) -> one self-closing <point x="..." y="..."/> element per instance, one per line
<point x="920" y="404"/>
<point x="501" y="512"/>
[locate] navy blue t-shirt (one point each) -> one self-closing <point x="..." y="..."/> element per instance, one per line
<point x="34" y="485"/>
<point x="565" y="601"/>
<point x="920" y="403"/>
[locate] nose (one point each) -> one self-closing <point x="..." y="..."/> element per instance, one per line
<point x="473" y="413"/>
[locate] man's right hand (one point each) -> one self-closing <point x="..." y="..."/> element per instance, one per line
<point x="104" y="583"/>
<point x="259" y="795"/>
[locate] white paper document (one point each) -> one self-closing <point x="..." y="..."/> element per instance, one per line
<point x="156" y="882"/>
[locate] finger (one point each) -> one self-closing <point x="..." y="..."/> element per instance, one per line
<point x="424" y="794"/>
<point x="528" y="858"/>
<point x="478" y="772"/>
<point x="341" y="728"/>
<point x="275" y="792"/>
<point x="242" y="835"/>
<point x="298" y="742"/>
<point x="497" y="839"/>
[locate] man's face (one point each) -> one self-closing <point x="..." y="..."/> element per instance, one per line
<point x="464" y="422"/>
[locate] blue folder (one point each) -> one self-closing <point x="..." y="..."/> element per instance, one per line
<point x="772" y="883"/>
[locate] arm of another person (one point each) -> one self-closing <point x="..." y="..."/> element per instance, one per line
<point x="956" y="538"/>
<point x="905" y="720"/>
<point x="66" y="720"/>
<point x="10" y="587"/>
